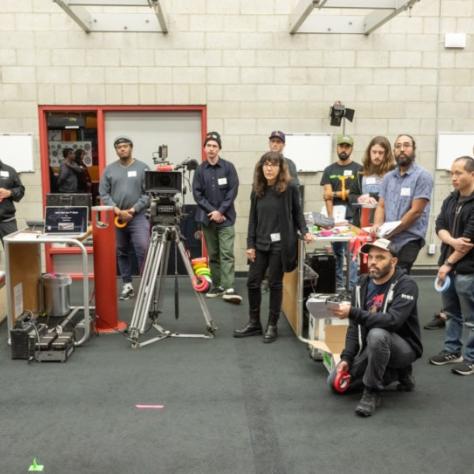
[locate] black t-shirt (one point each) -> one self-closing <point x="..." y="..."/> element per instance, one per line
<point x="267" y="219"/>
<point x="375" y="296"/>
<point x="334" y="174"/>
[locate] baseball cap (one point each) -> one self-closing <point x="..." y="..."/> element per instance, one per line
<point x="215" y="137"/>
<point x="347" y="139"/>
<point x="383" y="244"/>
<point x="122" y="139"/>
<point x="277" y="134"/>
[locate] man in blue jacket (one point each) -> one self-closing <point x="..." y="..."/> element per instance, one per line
<point x="455" y="228"/>
<point x="383" y="338"/>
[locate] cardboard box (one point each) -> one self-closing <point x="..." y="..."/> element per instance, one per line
<point x="328" y="337"/>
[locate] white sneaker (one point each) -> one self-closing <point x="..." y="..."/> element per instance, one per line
<point x="127" y="291"/>
<point x="231" y="296"/>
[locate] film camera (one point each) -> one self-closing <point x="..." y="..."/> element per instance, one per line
<point x="165" y="187"/>
<point x="166" y="192"/>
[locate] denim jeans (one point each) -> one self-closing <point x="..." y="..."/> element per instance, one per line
<point x="136" y="234"/>
<point x="340" y="249"/>
<point x="220" y="248"/>
<point x="408" y="253"/>
<point x="458" y="303"/>
<point x="378" y="364"/>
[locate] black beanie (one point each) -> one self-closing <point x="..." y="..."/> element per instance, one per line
<point x="122" y="139"/>
<point x="213" y="136"/>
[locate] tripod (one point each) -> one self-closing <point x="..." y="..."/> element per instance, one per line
<point x="156" y="265"/>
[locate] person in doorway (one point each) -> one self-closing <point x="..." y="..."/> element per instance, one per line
<point x="70" y="173"/>
<point x="339" y="181"/>
<point x="274" y="222"/>
<point x="455" y="228"/>
<point x="84" y="182"/>
<point x="122" y="186"/>
<point x="405" y="196"/>
<point x="11" y="191"/>
<point x="383" y="338"/>
<point x="215" y="187"/>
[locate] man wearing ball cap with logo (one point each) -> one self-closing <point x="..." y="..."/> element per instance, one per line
<point x="455" y="278"/>
<point x="383" y="338"/>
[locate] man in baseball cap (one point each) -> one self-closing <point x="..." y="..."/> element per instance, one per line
<point x="276" y="143"/>
<point x="383" y="338"/>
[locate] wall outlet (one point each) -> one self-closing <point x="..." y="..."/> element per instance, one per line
<point x="431" y="249"/>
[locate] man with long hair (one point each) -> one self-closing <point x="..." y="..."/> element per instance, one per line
<point x="274" y="221"/>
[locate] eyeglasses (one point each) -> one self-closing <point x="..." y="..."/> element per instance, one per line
<point x="403" y="145"/>
<point x="270" y="165"/>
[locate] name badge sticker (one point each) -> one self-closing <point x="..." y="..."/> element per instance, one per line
<point x="371" y="180"/>
<point x="4" y="174"/>
<point x="405" y="192"/>
<point x="275" y="237"/>
<point x="132" y="174"/>
<point x="222" y="181"/>
<point x="347" y="172"/>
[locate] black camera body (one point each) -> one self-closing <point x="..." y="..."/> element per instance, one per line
<point x="165" y="189"/>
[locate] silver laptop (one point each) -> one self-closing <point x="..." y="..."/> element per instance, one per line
<point x="66" y="221"/>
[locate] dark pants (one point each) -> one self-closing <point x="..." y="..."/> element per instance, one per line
<point x="378" y="364"/>
<point x="408" y="253"/>
<point x="7" y="228"/>
<point x="136" y="234"/>
<point x="272" y="260"/>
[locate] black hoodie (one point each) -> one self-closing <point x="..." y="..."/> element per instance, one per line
<point x="10" y="180"/>
<point x="457" y="217"/>
<point x="399" y="314"/>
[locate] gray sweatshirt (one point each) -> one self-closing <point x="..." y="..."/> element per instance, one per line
<point x="124" y="186"/>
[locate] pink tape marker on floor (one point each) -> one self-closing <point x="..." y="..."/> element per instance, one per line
<point x="149" y="407"/>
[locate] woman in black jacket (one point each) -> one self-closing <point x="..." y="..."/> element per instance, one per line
<point x="275" y="217"/>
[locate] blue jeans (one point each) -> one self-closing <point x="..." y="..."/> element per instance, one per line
<point x="340" y="249"/>
<point x="458" y="303"/>
<point x="136" y="234"/>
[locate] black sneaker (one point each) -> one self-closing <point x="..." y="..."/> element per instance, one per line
<point x="406" y="381"/>
<point x="127" y="292"/>
<point x="445" y="357"/>
<point x="215" y="292"/>
<point x="465" y="368"/>
<point x="437" y="322"/>
<point x="368" y="403"/>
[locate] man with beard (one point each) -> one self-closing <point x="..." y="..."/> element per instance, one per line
<point x="405" y="196"/>
<point x="123" y="186"/>
<point x="276" y="143"/>
<point x="383" y="338"/>
<point x="338" y="181"/>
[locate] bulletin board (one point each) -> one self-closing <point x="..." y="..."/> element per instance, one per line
<point x="16" y="150"/>
<point x="452" y="146"/>
<point x="311" y="152"/>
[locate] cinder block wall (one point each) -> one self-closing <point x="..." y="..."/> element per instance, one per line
<point x="237" y="57"/>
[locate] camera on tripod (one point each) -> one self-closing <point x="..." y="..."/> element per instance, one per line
<point x="166" y="192"/>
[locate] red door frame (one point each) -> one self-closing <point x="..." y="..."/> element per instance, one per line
<point x="101" y="110"/>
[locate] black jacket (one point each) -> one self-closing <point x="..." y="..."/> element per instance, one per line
<point x="10" y="180"/>
<point x="458" y="220"/>
<point x="291" y="220"/>
<point x="399" y="315"/>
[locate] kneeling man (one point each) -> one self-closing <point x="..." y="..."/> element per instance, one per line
<point x="383" y="338"/>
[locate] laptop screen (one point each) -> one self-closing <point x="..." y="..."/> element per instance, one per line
<point x="65" y="220"/>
